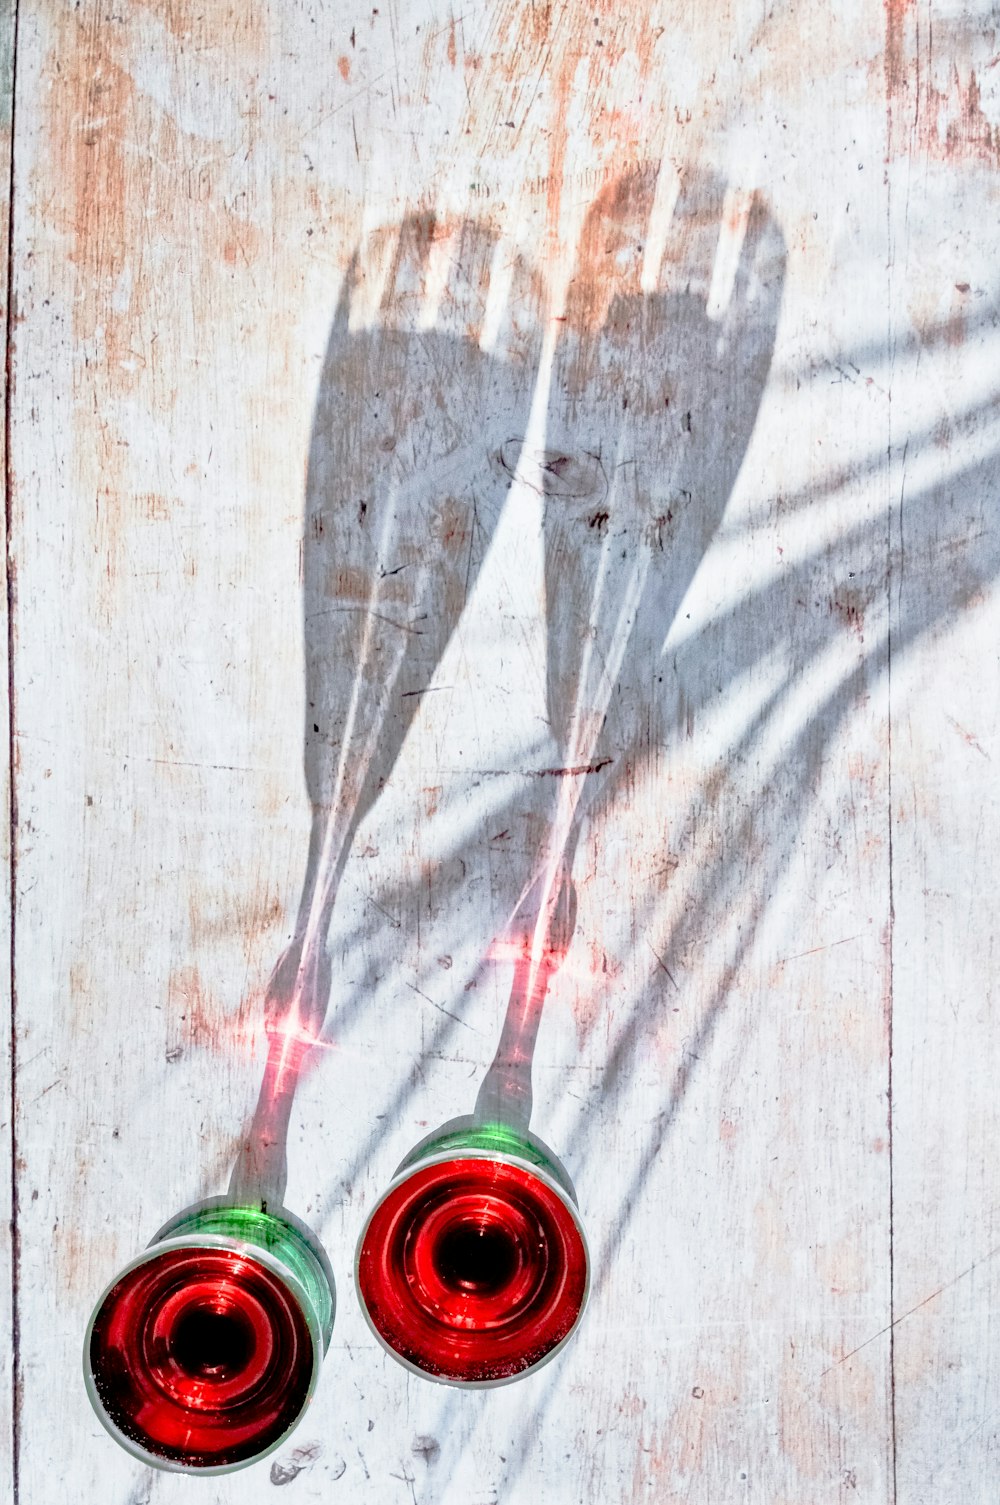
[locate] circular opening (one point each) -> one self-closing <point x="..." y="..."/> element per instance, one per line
<point x="473" y="1269"/>
<point x="201" y="1357"/>
<point x="207" y="1343"/>
<point x="476" y="1259"/>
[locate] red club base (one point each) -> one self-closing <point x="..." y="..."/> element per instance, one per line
<point x="473" y="1268"/>
<point x="202" y="1355"/>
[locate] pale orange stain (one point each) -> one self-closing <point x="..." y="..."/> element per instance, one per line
<point x="344" y="68"/>
<point x="192" y="22"/>
<point x="432" y="797"/>
<point x="895" y="66"/>
<point x="544" y="59"/>
<point x="204" y="1019"/>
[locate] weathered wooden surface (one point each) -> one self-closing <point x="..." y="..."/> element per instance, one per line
<point x="944" y="542"/>
<point x="7" y="1449"/>
<point x="784" y="896"/>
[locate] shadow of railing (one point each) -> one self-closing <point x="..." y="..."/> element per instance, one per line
<point x="620" y="555"/>
<point x="914" y="566"/>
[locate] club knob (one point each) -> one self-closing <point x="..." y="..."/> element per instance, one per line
<point x="203" y="1353"/>
<point x="473" y="1267"/>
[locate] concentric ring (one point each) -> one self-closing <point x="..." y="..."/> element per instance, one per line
<point x="201" y="1356"/>
<point x="473" y="1269"/>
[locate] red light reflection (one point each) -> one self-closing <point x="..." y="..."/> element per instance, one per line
<point x="202" y="1357"/>
<point x="473" y="1270"/>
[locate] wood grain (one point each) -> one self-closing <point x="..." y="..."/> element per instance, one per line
<point x="9" y="1380"/>
<point x="944" y="816"/>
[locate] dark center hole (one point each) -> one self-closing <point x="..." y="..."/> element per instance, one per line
<point x="478" y="1260"/>
<point x="208" y="1343"/>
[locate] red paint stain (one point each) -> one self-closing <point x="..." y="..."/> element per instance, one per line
<point x="344" y="68"/>
<point x="937" y="94"/>
<point x="849" y="606"/>
<point x="967" y="134"/>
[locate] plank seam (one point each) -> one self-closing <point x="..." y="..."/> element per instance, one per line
<point x="15" y="1239"/>
<point x="889" y="1045"/>
<point x="891" y="583"/>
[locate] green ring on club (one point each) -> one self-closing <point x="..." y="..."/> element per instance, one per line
<point x="468" y="1135"/>
<point x="281" y="1235"/>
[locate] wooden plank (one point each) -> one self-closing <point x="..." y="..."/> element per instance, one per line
<point x="8" y="1216"/>
<point x="945" y="820"/>
<point x="713" y="1061"/>
<point x="142" y="981"/>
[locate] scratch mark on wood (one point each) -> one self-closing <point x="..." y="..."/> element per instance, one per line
<point x="545" y="773"/>
<point x="968" y="738"/>
<point x="814" y="950"/>
<point x="442" y="1010"/>
<point x="382" y="910"/>
<point x="909" y="1313"/>
<point x="663" y="965"/>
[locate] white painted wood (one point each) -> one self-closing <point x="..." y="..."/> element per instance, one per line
<point x="945" y="550"/>
<point x="7" y="1345"/>
<point x="714" y="1059"/>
